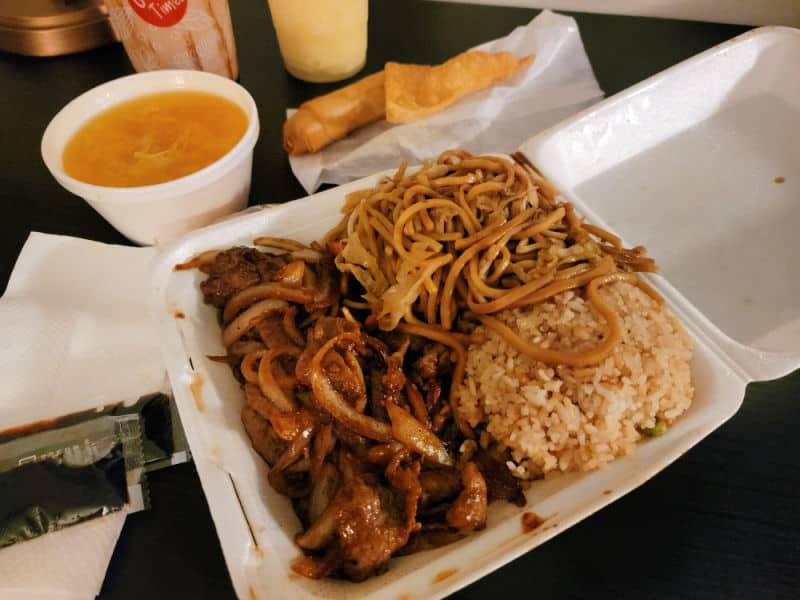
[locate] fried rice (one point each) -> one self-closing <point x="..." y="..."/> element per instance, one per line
<point x="577" y="419"/>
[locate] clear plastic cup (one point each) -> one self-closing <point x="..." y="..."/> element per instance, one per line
<point x="321" y="40"/>
<point x="176" y="34"/>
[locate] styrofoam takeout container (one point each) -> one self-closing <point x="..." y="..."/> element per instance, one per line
<point x="155" y="213"/>
<point x="685" y="163"/>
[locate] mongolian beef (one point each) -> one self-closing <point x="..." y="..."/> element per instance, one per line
<point x="353" y="421"/>
<point x="461" y="329"/>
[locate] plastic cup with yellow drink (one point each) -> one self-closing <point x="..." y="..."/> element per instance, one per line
<point x="321" y="40"/>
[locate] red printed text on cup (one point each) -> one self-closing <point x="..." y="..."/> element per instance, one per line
<point x="161" y="13"/>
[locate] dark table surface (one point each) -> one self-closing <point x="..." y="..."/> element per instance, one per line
<point x="722" y="522"/>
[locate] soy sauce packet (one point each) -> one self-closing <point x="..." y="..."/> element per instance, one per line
<point x="56" y="475"/>
<point x="163" y="439"/>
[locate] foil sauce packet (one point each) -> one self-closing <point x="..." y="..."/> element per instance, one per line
<point x="176" y="34"/>
<point x="163" y="439"/>
<point x="60" y="473"/>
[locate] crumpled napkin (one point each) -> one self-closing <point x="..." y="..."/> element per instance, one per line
<point x="559" y="83"/>
<point x="68" y="564"/>
<point x="77" y="335"/>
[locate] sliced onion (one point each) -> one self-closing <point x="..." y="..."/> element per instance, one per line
<point x="309" y="279"/>
<point x="333" y="402"/>
<point x="325" y="290"/>
<point x="418" y="405"/>
<point x="308" y="255"/>
<point x="245" y="347"/>
<point x="293" y="453"/>
<point x="241" y="324"/>
<point x="381" y="454"/>
<point x="351" y="360"/>
<point x="290" y="426"/>
<point x="292" y="274"/>
<point x="407" y="430"/>
<point x="322" y="531"/>
<point x="278" y="243"/>
<point x="287" y="425"/>
<point x="290" y="327"/>
<point x="266" y="379"/>
<point x="324" y="442"/>
<point x="262" y="291"/>
<point x="323" y="491"/>
<point x="199" y="261"/>
<point x="247" y="368"/>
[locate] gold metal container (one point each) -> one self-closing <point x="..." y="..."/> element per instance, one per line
<point x="53" y="27"/>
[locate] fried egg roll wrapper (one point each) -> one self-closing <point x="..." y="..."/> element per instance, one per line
<point x="416" y="91"/>
<point x="327" y="118"/>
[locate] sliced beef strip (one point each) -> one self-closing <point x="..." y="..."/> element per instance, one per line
<point x="344" y="380"/>
<point x="438" y="485"/>
<point x="322" y="331"/>
<point x="468" y="512"/>
<point x="430" y="537"/>
<point x="427" y="365"/>
<point x="371" y="528"/>
<point x="272" y="333"/>
<point x="362" y="527"/>
<point x="262" y="436"/>
<point x="236" y="269"/>
<point x="501" y="483"/>
<point x="394" y="380"/>
<point x="433" y="362"/>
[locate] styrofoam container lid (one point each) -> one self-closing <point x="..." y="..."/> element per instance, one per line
<point x="687" y="163"/>
<point x="701" y="164"/>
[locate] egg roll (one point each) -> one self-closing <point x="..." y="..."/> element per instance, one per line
<point x="327" y="118"/>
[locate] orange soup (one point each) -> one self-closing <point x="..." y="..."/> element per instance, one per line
<point x="154" y="139"/>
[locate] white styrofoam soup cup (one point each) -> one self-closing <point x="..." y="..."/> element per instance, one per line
<point x="153" y="214"/>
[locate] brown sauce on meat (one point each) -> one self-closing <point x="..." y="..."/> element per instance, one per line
<point x="531" y="521"/>
<point x="365" y="489"/>
<point x="197" y="391"/>
<point x="780" y="179"/>
<point x="442" y="575"/>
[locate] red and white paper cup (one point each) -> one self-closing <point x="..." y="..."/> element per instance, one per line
<point x="176" y="34"/>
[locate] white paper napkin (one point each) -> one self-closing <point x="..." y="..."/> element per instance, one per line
<point x="559" y="83"/>
<point x="76" y="329"/>
<point x="77" y="335"/>
<point x="63" y="565"/>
